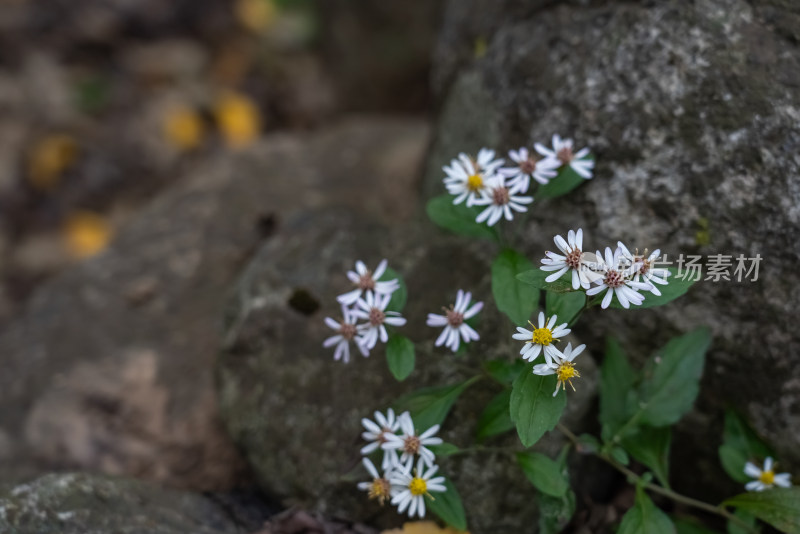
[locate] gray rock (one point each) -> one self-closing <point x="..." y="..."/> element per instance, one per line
<point x="692" y="111"/>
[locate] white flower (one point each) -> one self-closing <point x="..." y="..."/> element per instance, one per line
<point x="765" y="478"/>
<point x="377" y="433"/>
<point x="541" y="338"/>
<point x="500" y="201"/>
<point x="367" y="281"/>
<point x="373" y="309"/>
<point x="617" y="280"/>
<point x="642" y="266"/>
<point x="345" y="333"/>
<point x="528" y="166"/>
<point x="562" y="152"/>
<point x="572" y="259"/>
<point x="453" y="322"/>
<point x="412" y="444"/>
<point x="561" y="366"/>
<point x="380" y="488"/>
<point x="412" y="489"/>
<point x="467" y="178"/>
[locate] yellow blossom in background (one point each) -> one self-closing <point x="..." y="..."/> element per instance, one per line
<point x="183" y="128"/>
<point x="256" y="15"/>
<point x="238" y="119"/>
<point x="422" y="527"/>
<point x="49" y="158"/>
<point x="86" y="234"/>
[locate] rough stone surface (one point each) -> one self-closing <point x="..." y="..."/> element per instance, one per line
<point x="75" y="503"/>
<point x="110" y="366"/>
<point x="692" y="110"/>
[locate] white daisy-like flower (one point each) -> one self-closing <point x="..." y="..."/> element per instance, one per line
<point x="367" y="282"/>
<point x="377" y="433"/>
<point x="562" y="367"/>
<point x="541" y="338"/>
<point x="453" y="322"/>
<point x="616" y="280"/>
<point x="380" y="487"/>
<point x="373" y="309"/>
<point x="467" y="178"/>
<point x="642" y="266"/>
<point x="346" y="332"/>
<point x="572" y="259"/>
<point x="410" y="444"/>
<point x="500" y="201"/>
<point x="765" y="478"/>
<point x="562" y="152"/>
<point x="528" y="166"/>
<point x="412" y="488"/>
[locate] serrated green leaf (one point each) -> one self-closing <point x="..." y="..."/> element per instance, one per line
<point x="672" y="389"/>
<point x="566" y="306"/>
<point x="645" y="517"/>
<point x="534" y="409"/>
<point x="458" y="218"/>
<point x="430" y="406"/>
<point x="515" y="299"/>
<point x="740" y="445"/>
<point x="400" y="356"/>
<point x="504" y="371"/>
<point x="617" y="379"/>
<point x="444" y="449"/>
<point x="448" y="507"/>
<point x="777" y="506"/>
<point x="675" y="288"/>
<point x="536" y="278"/>
<point x="734" y="527"/>
<point x="685" y="525"/>
<point x="650" y="446"/>
<point x="496" y="417"/>
<point x="545" y="474"/>
<point x="555" y="512"/>
<point x="566" y="180"/>
<point x="398" y="300"/>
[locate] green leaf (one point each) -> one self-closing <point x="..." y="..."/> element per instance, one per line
<point x="588" y="444"/>
<point x="534" y="409"/>
<point x="535" y="278"/>
<point x="674" y="289"/>
<point x="566" y="180"/>
<point x="686" y="525"/>
<point x="400" y="356"/>
<point x="650" y="446"/>
<point x="645" y="518"/>
<point x="778" y="507"/>
<point x="458" y="218"/>
<point x="504" y="371"/>
<point x="444" y="449"/>
<point x="430" y="406"/>
<point x="620" y="455"/>
<point x="515" y="299"/>
<point x="740" y="445"/>
<point x="617" y="395"/>
<point x="448" y="507"/>
<point x="566" y="306"/>
<point x="495" y="418"/>
<point x="400" y="295"/>
<point x="672" y="389"/>
<point x="545" y="474"/>
<point x="555" y="512"/>
<point x="750" y="520"/>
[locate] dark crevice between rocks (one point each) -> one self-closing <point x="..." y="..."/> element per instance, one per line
<point x="303" y="301"/>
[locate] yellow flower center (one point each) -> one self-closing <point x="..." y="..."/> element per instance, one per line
<point x="542" y="336"/>
<point x="767" y="478"/>
<point x="418" y="486"/>
<point x="475" y="182"/>
<point x="380" y="490"/>
<point x="565" y="373"/>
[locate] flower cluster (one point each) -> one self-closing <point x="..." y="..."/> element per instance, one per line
<point x="617" y="272"/>
<point x="485" y="181"/>
<point x="405" y="485"/>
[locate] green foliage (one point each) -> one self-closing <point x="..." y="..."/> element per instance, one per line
<point x="536" y="278"/>
<point x="398" y="300"/>
<point x="448" y="507"/>
<point x="733" y="527"/>
<point x="650" y="446"/>
<point x="671" y="390"/>
<point x="430" y="406"/>
<point x="566" y="180"/>
<point x="400" y="356"/>
<point x="645" y="517"/>
<point x="777" y="507"/>
<point x="504" y="371"/>
<point x="685" y="525"/>
<point x="515" y="299"/>
<point x="620" y="455"/>
<point x="740" y="445"/>
<point x="588" y="444"/>
<point x="496" y="417"/>
<point x="545" y="474"/>
<point x="617" y="394"/>
<point x="444" y="449"/>
<point x="675" y="288"/>
<point x="458" y="218"/>
<point x="534" y="409"/>
<point x="567" y="306"/>
<point x="555" y="512"/>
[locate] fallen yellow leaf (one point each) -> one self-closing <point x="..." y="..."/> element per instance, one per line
<point x="183" y="128"/>
<point x="86" y="234"/>
<point x="238" y="119"/>
<point x="422" y="527"/>
<point x="49" y="158"/>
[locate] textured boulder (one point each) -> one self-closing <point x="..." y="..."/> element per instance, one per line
<point x="692" y="110"/>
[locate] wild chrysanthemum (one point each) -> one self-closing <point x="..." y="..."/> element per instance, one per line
<point x="643" y="267"/>
<point x="379" y="488"/>
<point x="467" y="178"/>
<point x="410" y="444"/>
<point x="562" y="367"/>
<point x="453" y="321"/>
<point x="501" y="200"/>
<point x="346" y="332"/>
<point x="765" y="478"/>
<point x="572" y="259"/>
<point x="528" y="166"/>
<point x="411" y="489"/>
<point x="562" y="152"/>
<point x="377" y="433"/>
<point x="367" y="282"/>
<point x="616" y="280"/>
<point x="541" y="338"/>
<point x="373" y="309"/>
